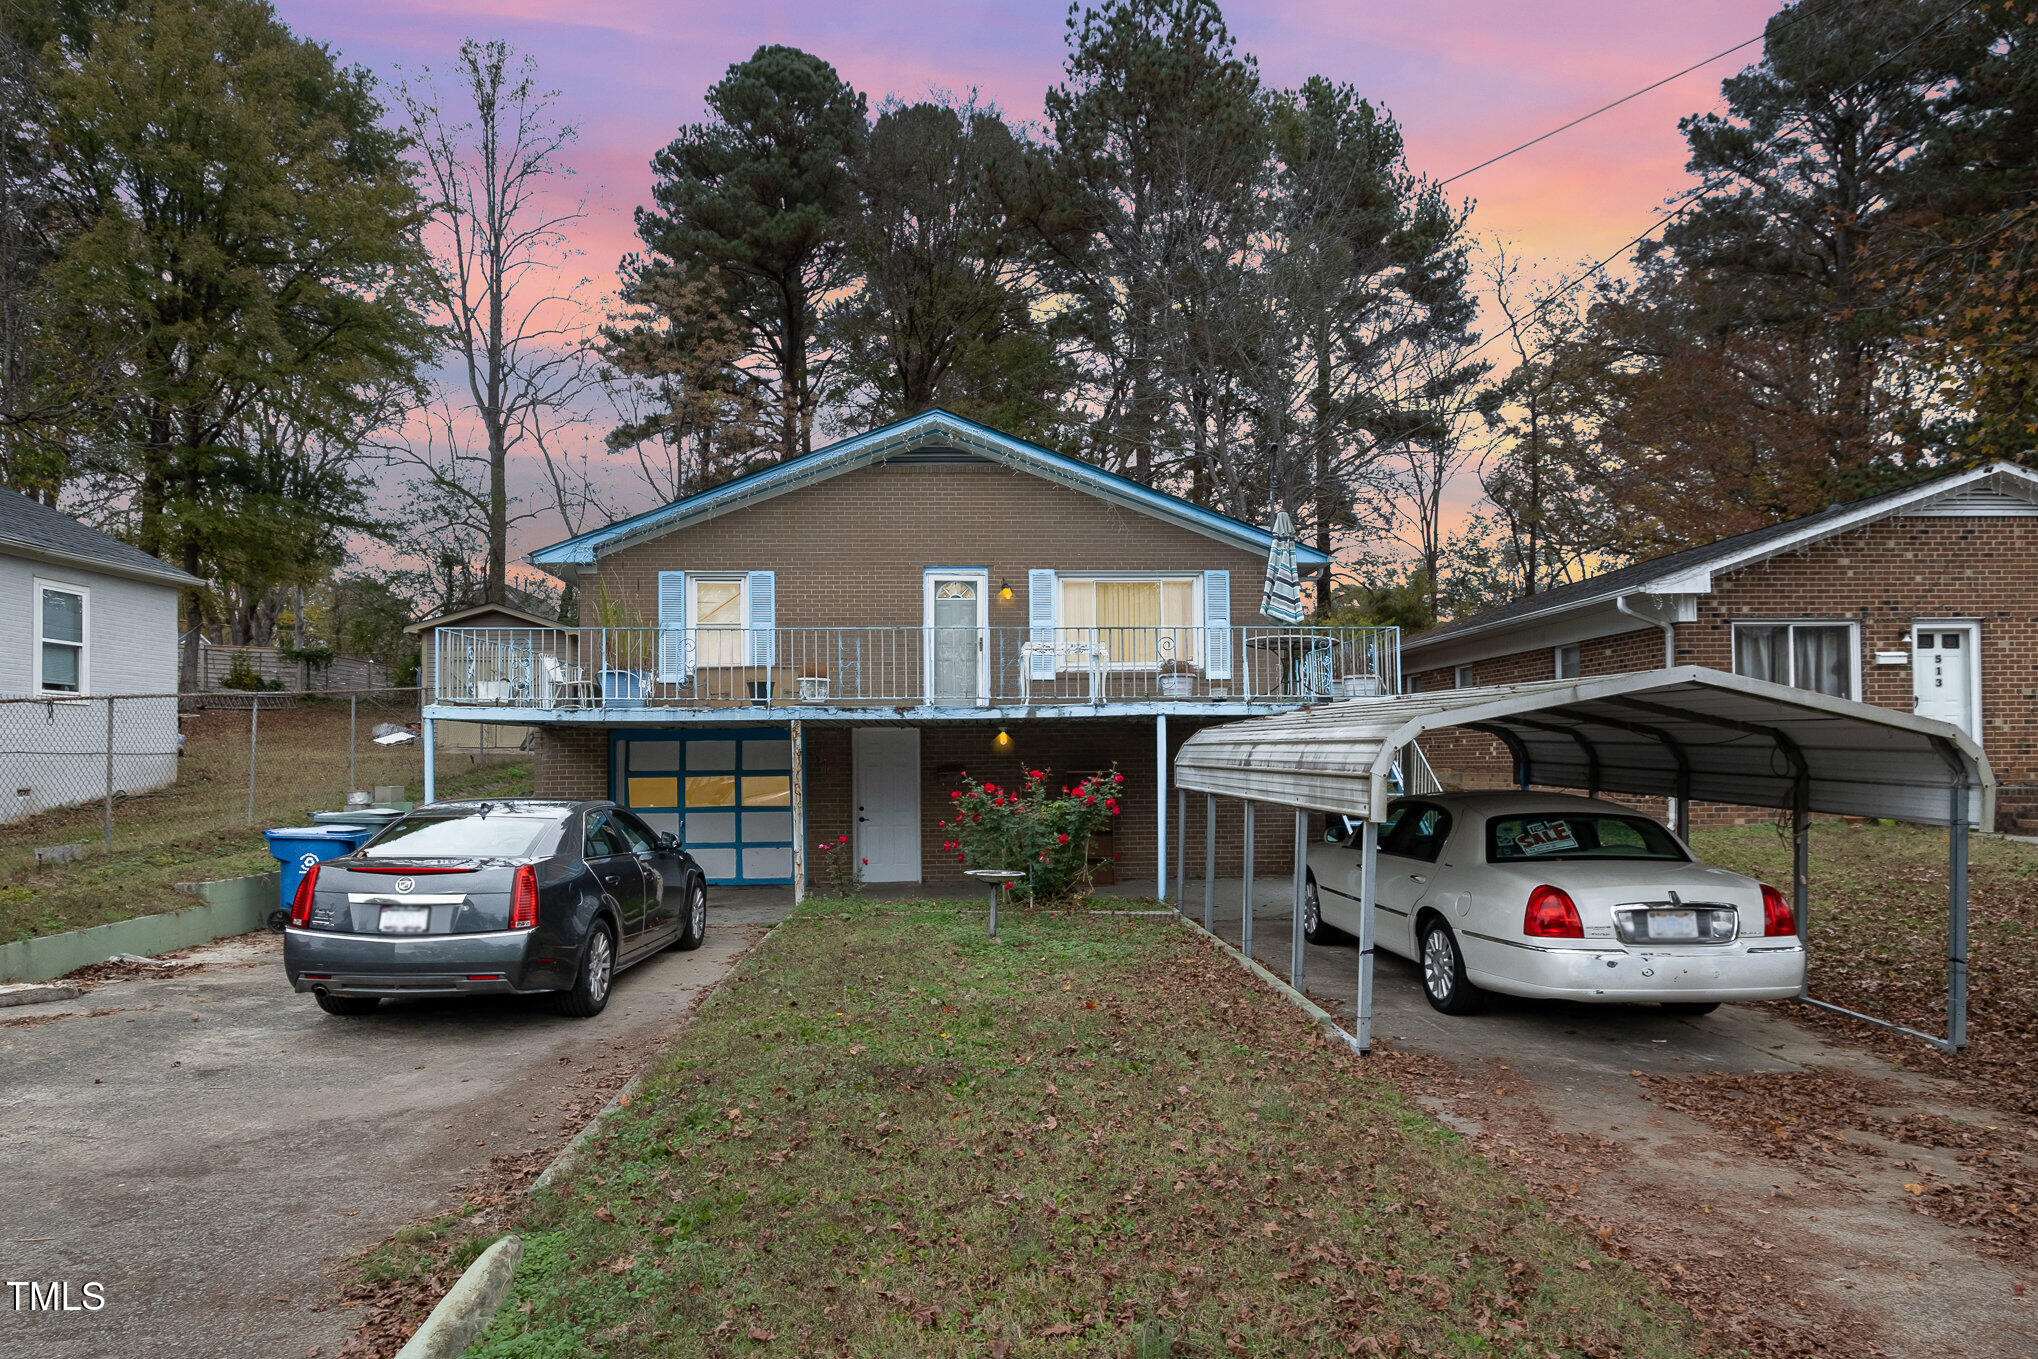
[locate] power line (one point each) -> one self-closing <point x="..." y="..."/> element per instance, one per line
<point x="1603" y="108"/>
<point x="1692" y="197"/>
<point x="1795" y="16"/>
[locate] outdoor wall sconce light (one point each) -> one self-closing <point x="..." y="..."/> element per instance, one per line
<point x="1004" y="740"/>
<point x="1005" y="589"/>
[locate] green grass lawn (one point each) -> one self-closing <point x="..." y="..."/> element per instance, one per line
<point x="197" y="828"/>
<point x="887" y="1135"/>
<point x="1878" y="939"/>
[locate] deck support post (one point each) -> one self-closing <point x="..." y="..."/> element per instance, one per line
<point x="797" y="730"/>
<point x="1369" y="883"/>
<point x="1160" y="805"/>
<point x="1295" y="940"/>
<point x="431" y="780"/>
<point x="1245" y="928"/>
<point x="1210" y="862"/>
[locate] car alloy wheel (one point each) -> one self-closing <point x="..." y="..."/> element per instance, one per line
<point x="697" y="909"/>
<point x="601" y="964"/>
<point x="1439" y="965"/>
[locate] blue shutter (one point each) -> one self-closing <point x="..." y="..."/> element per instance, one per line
<point x="673" y="652"/>
<point x="763" y="621"/>
<point x="1217" y="624"/>
<point x="1040" y="621"/>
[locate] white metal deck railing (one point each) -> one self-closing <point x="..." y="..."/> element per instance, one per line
<point x="846" y="667"/>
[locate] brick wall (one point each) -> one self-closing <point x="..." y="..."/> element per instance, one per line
<point x="1884" y="577"/>
<point x="573" y="762"/>
<point x="850" y="551"/>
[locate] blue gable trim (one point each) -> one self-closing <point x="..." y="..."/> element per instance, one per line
<point x="897" y="437"/>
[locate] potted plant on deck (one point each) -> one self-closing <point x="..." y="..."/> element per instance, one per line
<point x="1178" y="679"/>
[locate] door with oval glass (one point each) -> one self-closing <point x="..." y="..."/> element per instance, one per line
<point x="958" y="650"/>
<point x="1946" y="674"/>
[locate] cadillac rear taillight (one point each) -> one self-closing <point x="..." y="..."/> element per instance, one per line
<point x="1552" y="915"/>
<point x="524" y="899"/>
<point x="300" y="905"/>
<point x="1777" y="917"/>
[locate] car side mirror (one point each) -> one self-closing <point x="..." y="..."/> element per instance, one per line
<point x="668" y="841"/>
<point x="1337" y="830"/>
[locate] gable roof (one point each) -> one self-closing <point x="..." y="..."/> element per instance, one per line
<point x="453" y="616"/>
<point x="2001" y="488"/>
<point x="33" y="529"/>
<point x="930" y="431"/>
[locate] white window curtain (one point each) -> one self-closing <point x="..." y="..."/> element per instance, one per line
<point x="1814" y="656"/>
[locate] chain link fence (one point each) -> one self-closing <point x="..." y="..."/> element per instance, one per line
<point x="82" y="769"/>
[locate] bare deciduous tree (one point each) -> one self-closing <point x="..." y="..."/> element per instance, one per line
<point x="499" y="243"/>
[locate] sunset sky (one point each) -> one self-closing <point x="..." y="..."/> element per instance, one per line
<point x="1466" y="78"/>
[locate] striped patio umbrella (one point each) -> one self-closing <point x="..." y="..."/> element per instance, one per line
<point x="1281" y="600"/>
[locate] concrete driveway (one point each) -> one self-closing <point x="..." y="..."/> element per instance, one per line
<point x="209" y="1146"/>
<point x="1558" y="1092"/>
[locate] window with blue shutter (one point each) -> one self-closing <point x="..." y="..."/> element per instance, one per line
<point x="673" y="667"/>
<point x="1040" y="621"/>
<point x="763" y="621"/>
<point x="1217" y="624"/>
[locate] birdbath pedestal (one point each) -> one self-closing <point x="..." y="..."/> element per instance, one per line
<point x="997" y="878"/>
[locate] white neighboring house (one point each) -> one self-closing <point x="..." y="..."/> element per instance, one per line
<point x="83" y="617"/>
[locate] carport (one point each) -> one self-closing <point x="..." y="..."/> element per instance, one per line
<point x="1685" y="733"/>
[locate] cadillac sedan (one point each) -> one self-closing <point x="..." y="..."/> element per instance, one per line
<point x="1565" y="898"/>
<point x="503" y="897"/>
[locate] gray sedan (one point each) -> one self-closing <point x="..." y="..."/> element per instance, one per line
<point x="501" y="897"/>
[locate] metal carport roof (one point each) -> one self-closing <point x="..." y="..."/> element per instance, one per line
<point x="1689" y="732"/>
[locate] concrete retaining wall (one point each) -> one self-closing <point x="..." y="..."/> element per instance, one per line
<point x="231" y="906"/>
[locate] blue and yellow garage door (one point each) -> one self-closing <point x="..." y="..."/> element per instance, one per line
<point x="729" y="794"/>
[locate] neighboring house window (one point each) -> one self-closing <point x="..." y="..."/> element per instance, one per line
<point x="1140" y="621"/>
<point x="60" y="639"/>
<point x="1815" y="656"/>
<point x="1465" y="678"/>
<point x="1568" y="661"/>
<point x="717" y="612"/>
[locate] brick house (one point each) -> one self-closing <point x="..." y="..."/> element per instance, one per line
<point x="1924" y="599"/>
<point x="821" y="649"/>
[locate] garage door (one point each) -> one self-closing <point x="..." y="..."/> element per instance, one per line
<point x="728" y="793"/>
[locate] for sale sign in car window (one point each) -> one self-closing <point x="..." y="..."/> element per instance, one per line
<point x="1545" y="837"/>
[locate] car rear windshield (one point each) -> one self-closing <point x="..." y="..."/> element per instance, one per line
<point x="1518" y="837"/>
<point x="468" y="835"/>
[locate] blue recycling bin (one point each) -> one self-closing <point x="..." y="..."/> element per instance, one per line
<point x="297" y="848"/>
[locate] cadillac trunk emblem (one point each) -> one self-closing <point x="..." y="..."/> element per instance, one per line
<point x="405" y="884"/>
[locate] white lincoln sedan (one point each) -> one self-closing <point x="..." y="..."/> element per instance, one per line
<point x="1565" y="898"/>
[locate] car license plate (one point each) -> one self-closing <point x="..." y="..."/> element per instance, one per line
<point x="1672" y="924"/>
<point x="406" y="919"/>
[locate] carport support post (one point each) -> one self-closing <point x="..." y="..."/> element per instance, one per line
<point x="1245" y="928"/>
<point x="1301" y="887"/>
<point x="1181" y="849"/>
<point x="1369" y="883"/>
<point x="1210" y="863"/>
<point x="1956" y="923"/>
<point x="1801" y="868"/>
<point x="353" y="712"/>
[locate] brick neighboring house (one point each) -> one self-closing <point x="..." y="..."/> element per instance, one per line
<point x="1924" y="599"/>
<point x="821" y="649"/>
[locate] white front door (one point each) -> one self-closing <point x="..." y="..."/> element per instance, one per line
<point x="888" y="803"/>
<point x="958" y="652"/>
<point x="1946" y="674"/>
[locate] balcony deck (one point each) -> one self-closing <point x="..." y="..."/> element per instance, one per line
<point x="654" y="675"/>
